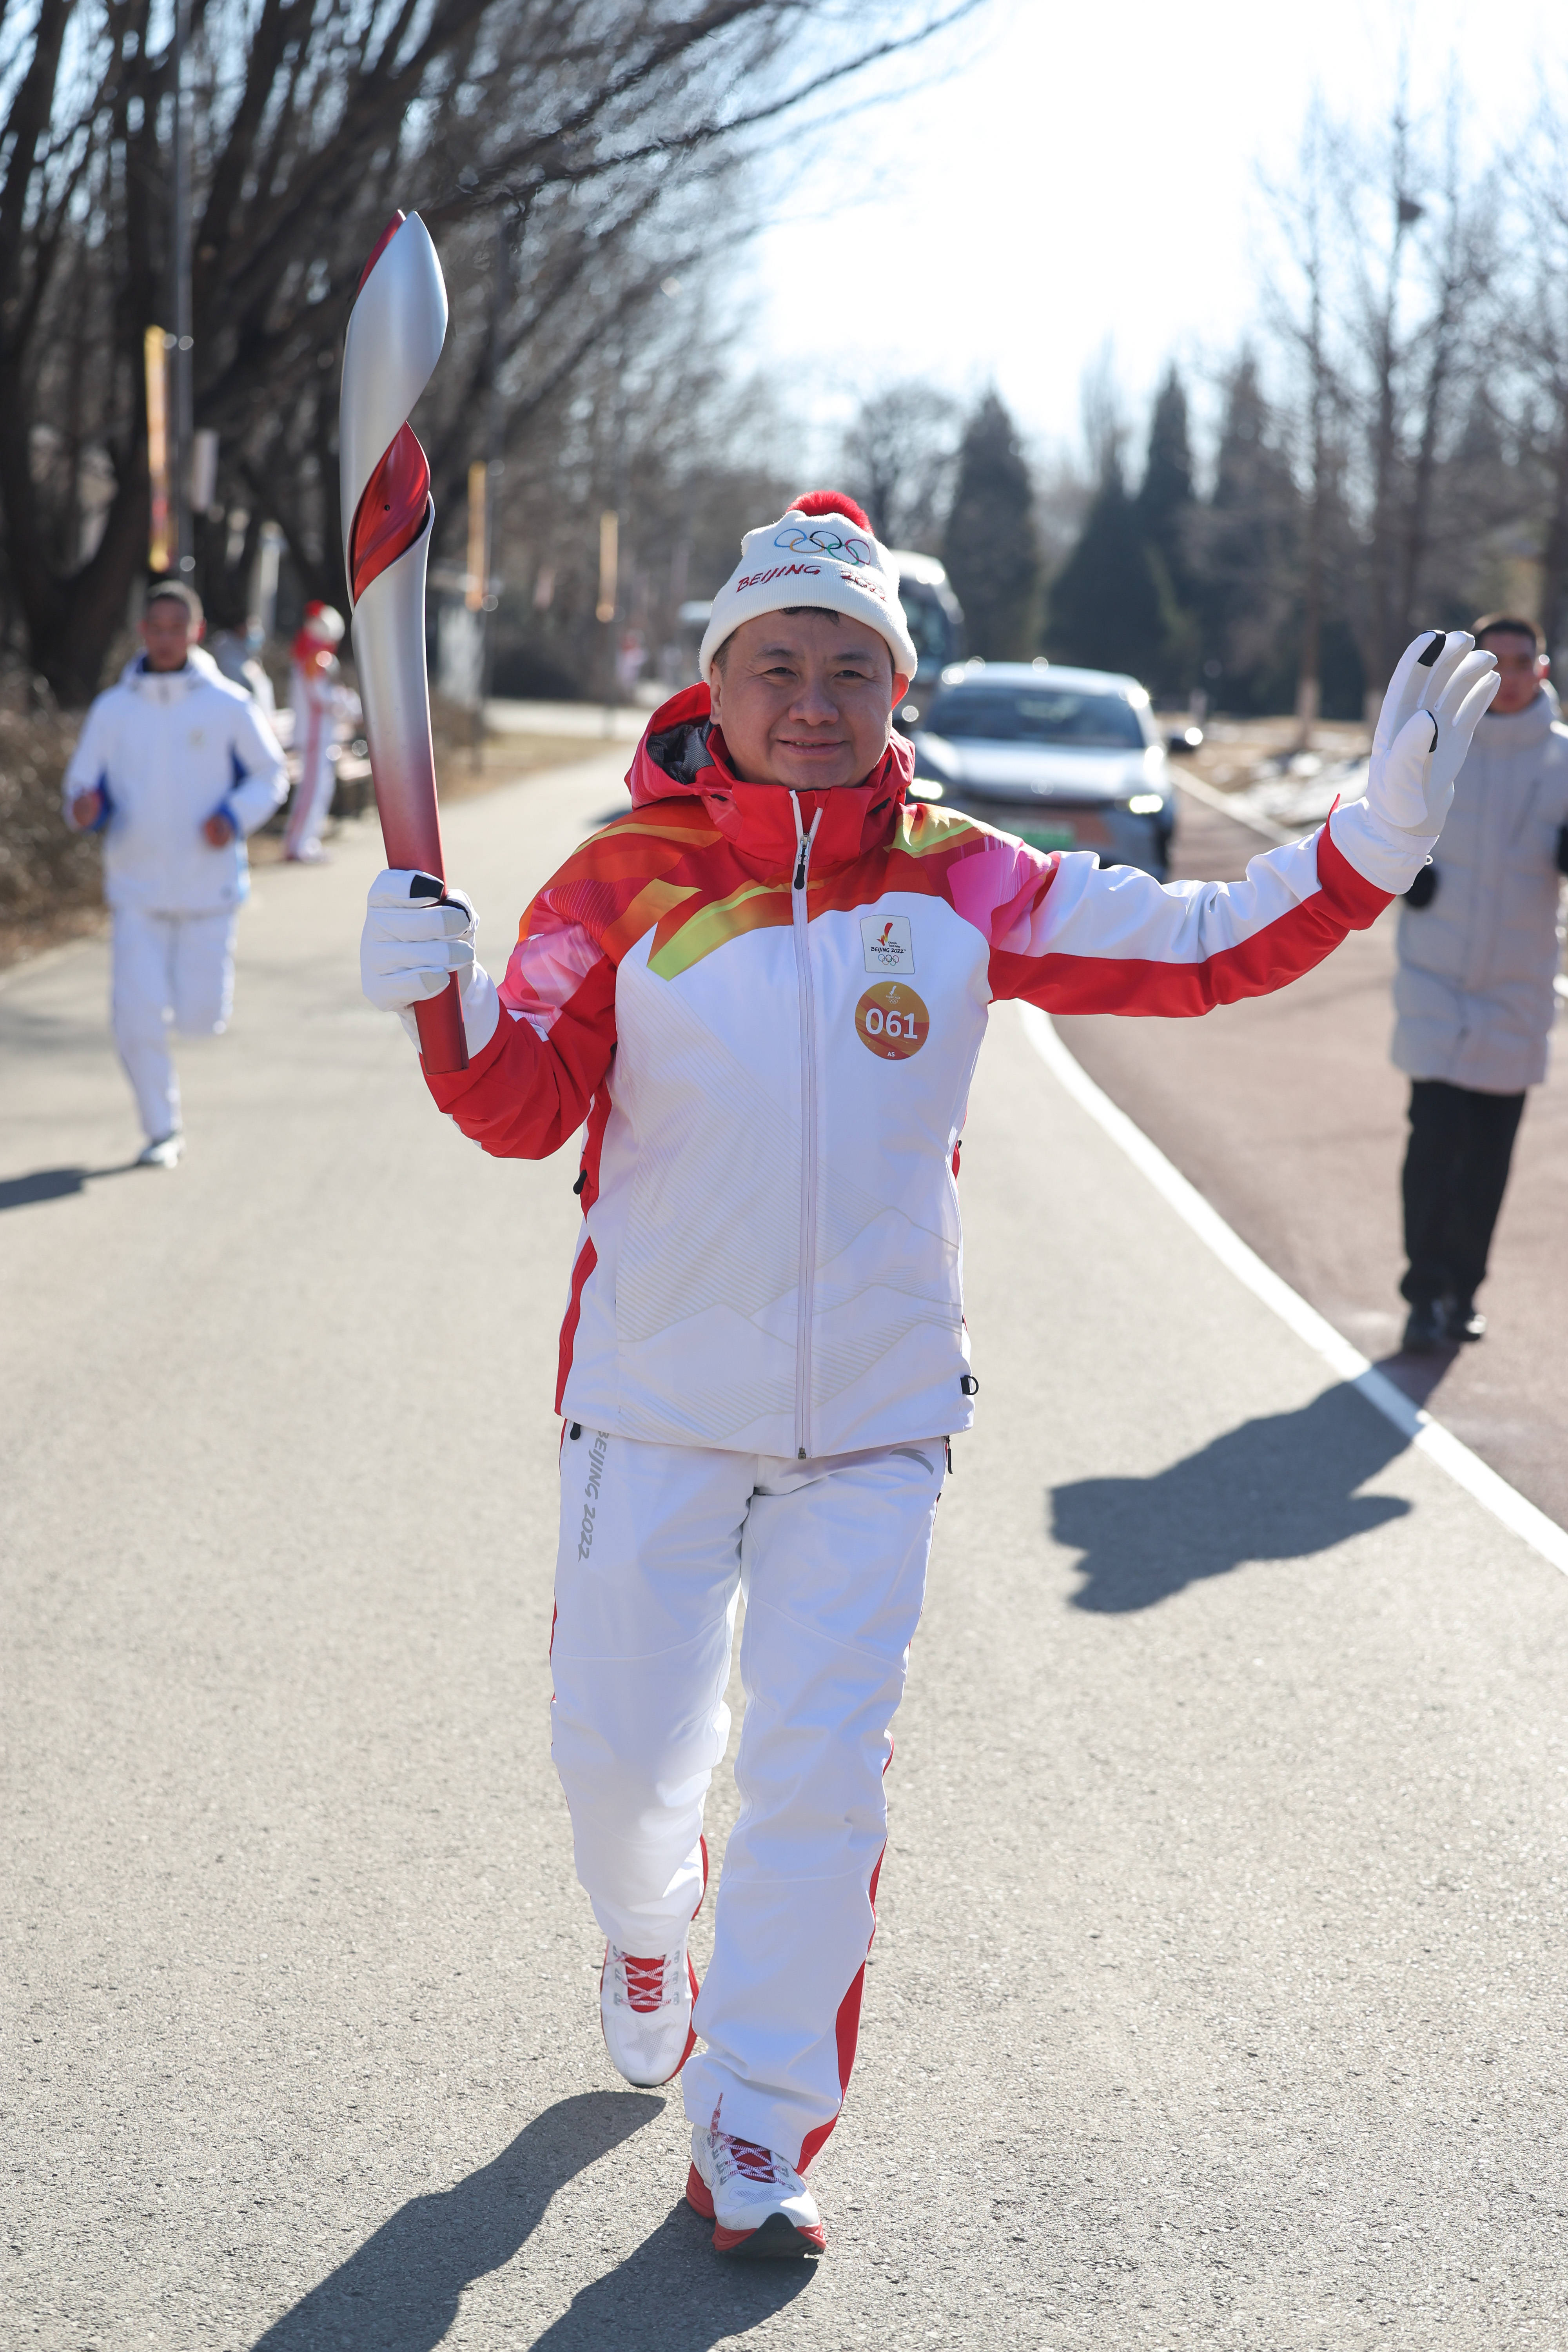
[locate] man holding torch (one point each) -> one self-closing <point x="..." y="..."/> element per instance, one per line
<point x="757" y="998"/>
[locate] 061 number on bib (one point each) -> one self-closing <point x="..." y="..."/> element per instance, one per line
<point x="891" y="1021"/>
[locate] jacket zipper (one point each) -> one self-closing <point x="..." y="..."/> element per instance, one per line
<point x="807" y="1286"/>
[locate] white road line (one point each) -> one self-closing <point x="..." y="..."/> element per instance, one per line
<point x="1467" y="1469"/>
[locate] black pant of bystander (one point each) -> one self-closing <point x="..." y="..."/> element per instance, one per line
<point x="1456" y="1170"/>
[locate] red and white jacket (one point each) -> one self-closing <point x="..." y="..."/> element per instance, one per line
<point x="767" y="1008"/>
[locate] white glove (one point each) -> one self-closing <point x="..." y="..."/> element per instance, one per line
<point x="414" y="942"/>
<point x="415" y="938"/>
<point x="1434" y="702"/>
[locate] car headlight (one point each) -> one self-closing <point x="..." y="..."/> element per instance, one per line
<point x="1146" y="804"/>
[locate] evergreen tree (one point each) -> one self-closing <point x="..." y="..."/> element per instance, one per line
<point x="1122" y="601"/>
<point x="1105" y="608"/>
<point x="991" y="555"/>
<point x="1249" y="557"/>
<point x="1165" y="512"/>
<point x="1165" y="500"/>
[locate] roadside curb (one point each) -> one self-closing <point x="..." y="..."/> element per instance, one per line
<point x="1467" y="1469"/>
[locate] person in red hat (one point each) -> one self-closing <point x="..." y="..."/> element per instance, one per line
<point x="320" y="702"/>
<point x="759" y="994"/>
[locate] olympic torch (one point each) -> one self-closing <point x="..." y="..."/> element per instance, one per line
<point x="397" y="329"/>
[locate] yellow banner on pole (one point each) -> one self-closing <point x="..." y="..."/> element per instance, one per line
<point x="479" y="553"/>
<point x="154" y="345"/>
<point x="609" y="564"/>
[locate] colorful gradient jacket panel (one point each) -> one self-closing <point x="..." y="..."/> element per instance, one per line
<point x="765" y="1008"/>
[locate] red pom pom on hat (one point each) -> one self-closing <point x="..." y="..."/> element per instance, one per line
<point x="825" y="502"/>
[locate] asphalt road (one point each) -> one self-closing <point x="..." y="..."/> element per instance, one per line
<point x="1288" y="1115"/>
<point x="1217" y="1997"/>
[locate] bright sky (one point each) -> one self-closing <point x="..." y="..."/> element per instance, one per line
<point x="1088" y="172"/>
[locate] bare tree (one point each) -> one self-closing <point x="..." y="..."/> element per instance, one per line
<point x="1380" y="304"/>
<point x="1416" y="325"/>
<point x="1297" y="304"/>
<point x="901" y="455"/>
<point x="1535" y="336"/>
<point x="652" y="422"/>
<point x="589" y="123"/>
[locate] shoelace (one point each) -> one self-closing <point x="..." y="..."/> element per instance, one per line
<point x="645" y="1980"/>
<point x="750" y="2158"/>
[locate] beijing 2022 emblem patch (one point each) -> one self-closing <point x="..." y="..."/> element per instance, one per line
<point x="889" y="944"/>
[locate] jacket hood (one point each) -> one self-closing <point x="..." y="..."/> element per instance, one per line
<point x="683" y="755"/>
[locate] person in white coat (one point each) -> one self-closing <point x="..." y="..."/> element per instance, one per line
<point x="1474" y="996"/>
<point x="175" y="767"/>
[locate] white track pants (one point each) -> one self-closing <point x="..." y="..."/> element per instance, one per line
<point x="656" y="1542"/>
<point x="312" y="800"/>
<point x="167" y="967"/>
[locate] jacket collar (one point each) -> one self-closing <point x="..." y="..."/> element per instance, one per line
<point x="683" y="755"/>
<point x="1518" y="729"/>
<point x="169" y="685"/>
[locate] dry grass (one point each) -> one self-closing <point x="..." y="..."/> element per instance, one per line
<point x="50" y="877"/>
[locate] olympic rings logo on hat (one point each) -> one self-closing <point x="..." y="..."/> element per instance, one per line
<point x="796" y="542"/>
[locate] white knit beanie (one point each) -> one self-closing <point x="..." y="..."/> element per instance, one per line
<point x="823" y="552"/>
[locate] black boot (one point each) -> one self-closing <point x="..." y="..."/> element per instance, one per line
<point x="1461" y="1320"/>
<point x="1427" y="1329"/>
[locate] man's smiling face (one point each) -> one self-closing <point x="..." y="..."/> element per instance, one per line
<point x="806" y="699"/>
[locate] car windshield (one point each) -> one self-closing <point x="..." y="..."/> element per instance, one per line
<point x="1042" y="714"/>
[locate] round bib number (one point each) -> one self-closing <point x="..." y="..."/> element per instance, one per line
<point x="891" y="1021"/>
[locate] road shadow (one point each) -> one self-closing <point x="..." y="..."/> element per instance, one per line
<point x="675" y="2294"/>
<point x="1417" y="1377"/>
<point x="54" y="1183"/>
<point x="1280" y="1487"/>
<point x="400" y="2291"/>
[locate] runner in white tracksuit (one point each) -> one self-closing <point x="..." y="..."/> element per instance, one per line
<point x="175" y="766"/>
<point x="761" y="994"/>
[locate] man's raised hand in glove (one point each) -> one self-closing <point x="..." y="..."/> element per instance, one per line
<point x="416" y="935"/>
<point x="1435" y="700"/>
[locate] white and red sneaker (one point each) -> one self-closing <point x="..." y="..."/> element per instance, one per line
<point x="755" y="2198"/>
<point x="645" y="2007"/>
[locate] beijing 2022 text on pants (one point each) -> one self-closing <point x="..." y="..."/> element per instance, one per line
<point x="178" y="967"/>
<point x="656" y="1543"/>
<point x="1456" y="1172"/>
